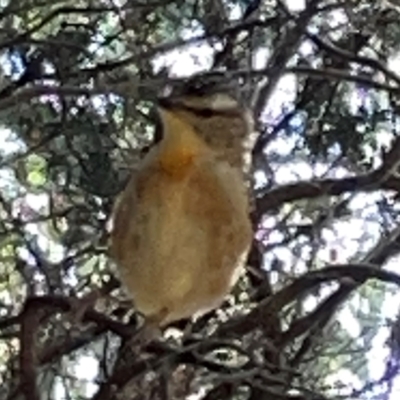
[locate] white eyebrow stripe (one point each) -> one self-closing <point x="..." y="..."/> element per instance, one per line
<point x="221" y="102"/>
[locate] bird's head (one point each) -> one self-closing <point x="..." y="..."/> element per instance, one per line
<point x="217" y="117"/>
<point x="201" y="108"/>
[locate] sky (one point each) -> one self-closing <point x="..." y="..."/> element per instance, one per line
<point x="345" y="235"/>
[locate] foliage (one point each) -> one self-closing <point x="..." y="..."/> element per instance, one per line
<point x="78" y="82"/>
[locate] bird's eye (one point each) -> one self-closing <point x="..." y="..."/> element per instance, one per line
<point x="205" y="112"/>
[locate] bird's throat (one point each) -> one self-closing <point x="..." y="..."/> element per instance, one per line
<point x="179" y="148"/>
<point x="176" y="161"/>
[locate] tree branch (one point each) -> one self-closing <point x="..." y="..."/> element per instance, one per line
<point x="28" y="358"/>
<point x="363" y="60"/>
<point x="382" y="178"/>
<point x="337" y="74"/>
<point x="359" y="273"/>
<point x="283" y="52"/>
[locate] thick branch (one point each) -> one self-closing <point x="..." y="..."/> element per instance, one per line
<point x="380" y="179"/>
<point x="28" y="357"/>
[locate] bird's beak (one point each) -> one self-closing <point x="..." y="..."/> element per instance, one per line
<point x="165" y="109"/>
<point x="165" y="103"/>
<point x="169" y="103"/>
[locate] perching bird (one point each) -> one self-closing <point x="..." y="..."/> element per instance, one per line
<point x="181" y="229"/>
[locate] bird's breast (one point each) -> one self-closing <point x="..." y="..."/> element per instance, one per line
<point x="183" y="243"/>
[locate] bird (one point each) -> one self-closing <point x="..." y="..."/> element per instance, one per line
<point x="180" y="229"/>
<point x="234" y="124"/>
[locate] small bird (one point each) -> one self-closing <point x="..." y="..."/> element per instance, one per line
<point x="181" y="229"/>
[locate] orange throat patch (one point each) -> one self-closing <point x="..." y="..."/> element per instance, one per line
<point x="176" y="162"/>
